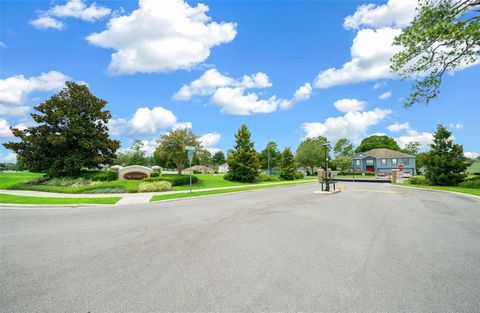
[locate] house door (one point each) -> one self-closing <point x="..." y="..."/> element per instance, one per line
<point x="370" y="168"/>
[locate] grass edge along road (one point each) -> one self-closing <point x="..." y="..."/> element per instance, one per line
<point x="469" y="191"/>
<point x="14" y="199"/>
<point x="220" y="191"/>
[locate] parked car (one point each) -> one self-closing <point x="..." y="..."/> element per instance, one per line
<point x="407" y="174"/>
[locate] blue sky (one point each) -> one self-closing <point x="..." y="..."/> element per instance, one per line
<point x="288" y="69"/>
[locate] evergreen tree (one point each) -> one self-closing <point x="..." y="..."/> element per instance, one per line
<point x="269" y="156"/>
<point x="71" y="134"/>
<point x="243" y="165"/>
<point x="287" y="165"/>
<point x="218" y="158"/>
<point x="137" y="156"/>
<point x="445" y="162"/>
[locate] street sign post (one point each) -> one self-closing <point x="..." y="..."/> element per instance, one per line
<point x="190" y="152"/>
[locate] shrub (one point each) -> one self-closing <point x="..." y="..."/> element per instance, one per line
<point x="265" y="177"/>
<point x="419" y="181"/>
<point x="155" y="186"/>
<point x="106" y="190"/>
<point x="369" y="174"/>
<point x="99" y="175"/>
<point x="154" y="174"/>
<point x="471" y="183"/>
<point x="299" y="175"/>
<point x="68" y="182"/>
<point x="175" y="180"/>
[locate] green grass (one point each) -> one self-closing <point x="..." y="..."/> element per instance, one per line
<point x="470" y="191"/>
<point x="220" y="191"/>
<point x="9" y="179"/>
<point x="44" y="200"/>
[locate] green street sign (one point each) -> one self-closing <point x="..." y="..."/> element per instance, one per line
<point x="190" y="151"/>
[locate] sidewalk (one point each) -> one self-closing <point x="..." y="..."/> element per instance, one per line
<point x="128" y="198"/>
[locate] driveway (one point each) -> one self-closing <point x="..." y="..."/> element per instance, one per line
<point x="370" y="248"/>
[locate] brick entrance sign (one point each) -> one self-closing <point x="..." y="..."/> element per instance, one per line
<point x="135" y="175"/>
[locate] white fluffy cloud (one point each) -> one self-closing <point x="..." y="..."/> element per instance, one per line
<point x="424" y="138"/>
<point x="395" y="13"/>
<point x="210" y="140"/>
<point x="74" y="9"/>
<point x="353" y="125"/>
<point x="232" y="96"/>
<point x="182" y="125"/>
<point x="5" y="131"/>
<point x="162" y="36"/>
<point x="471" y="155"/>
<point x="78" y="9"/>
<point x="212" y="79"/>
<point x="347" y="105"/>
<point x="46" y="22"/>
<point x="145" y="121"/>
<point x="385" y="95"/>
<point x="15" y="90"/>
<point x="397" y="127"/>
<point x="456" y="125"/>
<point x="9" y="158"/>
<point x="371" y="52"/>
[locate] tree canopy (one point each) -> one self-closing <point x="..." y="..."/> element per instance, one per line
<point x="412" y="148"/>
<point x="218" y="158"/>
<point x="172" y="147"/>
<point x="377" y="141"/>
<point x="242" y="160"/>
<point x="343" y="148"/>
<point x="71" y="134"/>
<point x="311" y="153"/>
<point x="444" y="36"/>
<point x="269" y="156"/>
<point x="445" y="163"/>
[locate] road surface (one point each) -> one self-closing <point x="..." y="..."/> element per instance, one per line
<point x="370" y="248"/>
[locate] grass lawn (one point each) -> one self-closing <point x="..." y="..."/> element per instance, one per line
<point x="119" y="186"/>
<point x="471" y="191"/>
<point x="44" y="200"/>
<point x="227" y="190"/>
<point x="9" y="179"/>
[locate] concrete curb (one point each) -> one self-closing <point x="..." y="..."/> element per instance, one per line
<point x="18" y="206"/>
<point x="446" y="191"/>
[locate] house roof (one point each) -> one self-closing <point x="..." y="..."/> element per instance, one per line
<point x="382" y="153"/>
<point x="474" y="168"/>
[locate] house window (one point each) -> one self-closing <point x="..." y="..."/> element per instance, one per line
<point x="405" y="161"/>
<point x="394" y="161"/>
<point x="384" y="161"/>
<point x="357" y="162"/>
<point x="369" y="162"/>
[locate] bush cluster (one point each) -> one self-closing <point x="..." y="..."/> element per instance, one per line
<point x="471" y="183"/>
<point x="299" y="175"/>
<point x="154" y="174"/>
<point x="99" y="175"/>
<point x="155" y="186"/>
<point x="419" y="181"/>
<point x="265" y="177"/>
<point x="67" y="182"/>
<point x="175" y="180"/>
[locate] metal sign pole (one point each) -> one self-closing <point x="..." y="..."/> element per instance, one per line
<point x="190" y="175"/>
<point x="190" y="151"/>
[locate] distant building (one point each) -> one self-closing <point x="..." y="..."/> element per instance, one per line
<point x="223" y="168"/>
<point x="474" y="168"/>
<point x="383" y="161"/>
<point x="200" y="169"/>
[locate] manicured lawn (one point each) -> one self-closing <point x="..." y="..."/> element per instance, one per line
<point x="9" y="179"/>
<point x="44" y="200"/>
<point x="471" y="191"/>
<point x="227" y="190"/>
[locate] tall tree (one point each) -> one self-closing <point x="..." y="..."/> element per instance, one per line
<point x="269" y="156"/>
<point x="287" y="165"/>
<point x="172" y="146"/>
<point x="137" y="156"/>
<point x="445" y="163"/>
<point x="218" y="158"/>
<point x="202" y="157"/>
<point x="71" y="134"/>
<point x="444" y="36"/>
<point x="311" y="153"/>
<point x="343" y="148"/>
<point x="412" y="148"/>
<point x="375" y="142"/>
<point x="242" y="160"/>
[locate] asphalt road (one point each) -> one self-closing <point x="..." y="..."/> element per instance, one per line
<point x="370" y="248"/>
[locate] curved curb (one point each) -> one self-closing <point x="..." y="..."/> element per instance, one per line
<point x="18" y="206"/>
<point x="446" y="191"/>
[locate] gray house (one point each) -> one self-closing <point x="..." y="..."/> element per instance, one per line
<point x="383" y="161"/>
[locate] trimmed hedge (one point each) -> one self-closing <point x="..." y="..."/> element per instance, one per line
<point x="471" y="183"/>
<point x="154" y="174"/>
<point x="265" y="177"/>
<point x="299" y="175"/>
<point x="176" y="180"/>
<point x="99" y="175"/>
<point x="155" y="186"/>
<point x="419" y="181"/>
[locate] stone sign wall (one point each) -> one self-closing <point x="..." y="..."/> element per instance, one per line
<point x="134" y="172"/>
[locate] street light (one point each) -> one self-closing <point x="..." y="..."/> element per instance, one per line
<point x="327" y="183"/>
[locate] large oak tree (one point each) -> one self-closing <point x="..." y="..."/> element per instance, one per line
<point x="71" y="134"/>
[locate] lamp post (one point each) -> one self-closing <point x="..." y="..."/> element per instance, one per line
<point x="190" y="151"/>
<point x="327" y="183"/>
